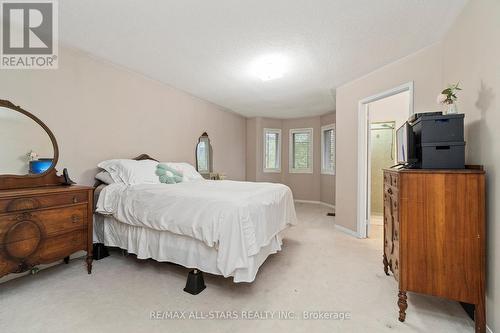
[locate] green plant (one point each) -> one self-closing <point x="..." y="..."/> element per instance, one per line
<point x="449" y="95"/>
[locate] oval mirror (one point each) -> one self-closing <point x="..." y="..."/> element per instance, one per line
<point x="204" y="156"/>
<point x="27" y="147"/>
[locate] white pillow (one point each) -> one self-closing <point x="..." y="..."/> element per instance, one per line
<point x="131" y="172"/>
<point x="188" y="171"/>
<point x="105" y="177"/>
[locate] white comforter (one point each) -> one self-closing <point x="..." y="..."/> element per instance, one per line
<point x="237" y="218"/>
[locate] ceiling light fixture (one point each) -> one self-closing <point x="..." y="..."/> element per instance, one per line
<point x="270" y="67"/>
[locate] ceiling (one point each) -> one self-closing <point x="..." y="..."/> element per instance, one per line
<point x="209" y="48"/>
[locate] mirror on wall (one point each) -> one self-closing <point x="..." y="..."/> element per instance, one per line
<point x="26" y="148"/>
<point x="204" y="159"/>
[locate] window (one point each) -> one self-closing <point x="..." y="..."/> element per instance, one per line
<point x="328" y="149"/>
<point x="272" y="150"/>
<point x="301" y="150"/>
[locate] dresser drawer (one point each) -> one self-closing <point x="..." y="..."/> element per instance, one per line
<point x="39" y="251"/>
<point x="44" y="224"/>
<point x="41" y="223"/>
<point x="58" y="247"/>
<point x="41" y="201"/>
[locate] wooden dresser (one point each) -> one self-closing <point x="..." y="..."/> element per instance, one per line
<point x="44" y="224"/>
<point x="434" y="235"/>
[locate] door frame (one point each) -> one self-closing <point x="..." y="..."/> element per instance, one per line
<point x="364" y="173"/>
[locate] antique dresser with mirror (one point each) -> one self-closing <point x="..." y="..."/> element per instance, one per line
<point x="43" y="217"/>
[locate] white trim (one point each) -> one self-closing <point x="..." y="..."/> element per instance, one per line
<point x="488" y="329"/>
<point x="327" y="205"/>
<point x="271" y="170"/>
<point x="363" y="204"/>
<point x="278" y="153"/>
<point x="291" y="169"/>
<point x="346" y="231"/>
<point x="323" y="129"/>
<point x="391" y="92"/>
<point x="315" y="203"/>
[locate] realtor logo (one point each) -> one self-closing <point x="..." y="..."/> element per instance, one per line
<point x="29" y="34"/>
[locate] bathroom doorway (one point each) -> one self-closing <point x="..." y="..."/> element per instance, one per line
<point x="382" y="155"/>
<point x="379" y="117"/>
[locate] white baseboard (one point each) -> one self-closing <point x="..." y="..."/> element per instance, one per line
<point x="347" y="231"/>
<point x="327" y="205"/>
<point x="316" y="203"/>
<point x="339" y="227"/>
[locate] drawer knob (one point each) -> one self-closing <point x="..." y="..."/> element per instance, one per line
<point x="75" y="199"/>
<point x="75" y="218"/>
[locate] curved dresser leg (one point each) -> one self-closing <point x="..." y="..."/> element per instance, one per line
<point x="403" y="305"/>
<point x="89" y="264"/>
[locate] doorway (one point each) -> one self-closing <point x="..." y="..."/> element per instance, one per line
<point x="382" y="155"/>
<point x="379" y="117"/>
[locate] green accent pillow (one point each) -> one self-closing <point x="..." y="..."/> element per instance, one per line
<point x="168" y="175"/>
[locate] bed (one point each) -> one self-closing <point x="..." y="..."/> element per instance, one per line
<point x="221" y="227"/>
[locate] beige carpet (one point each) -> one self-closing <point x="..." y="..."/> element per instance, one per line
<point x="319" y="269"/>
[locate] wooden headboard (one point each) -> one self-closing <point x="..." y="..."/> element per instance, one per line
<point x="138" y="158"/>
<point x="144" y="157"/>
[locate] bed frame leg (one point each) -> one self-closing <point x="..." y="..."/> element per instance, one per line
<point x="195" y="283"/>
<point x="99" y="251"/>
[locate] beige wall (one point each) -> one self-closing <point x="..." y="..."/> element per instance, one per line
<point x="19" y="135"/>
<point x="425" y="69"/>
<point x="470" y="54"/>
<point x="393" y="108"/>
<point x="99" y="111"/>
<point x="313" y="187"/>
<point x="251" y="149"/>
